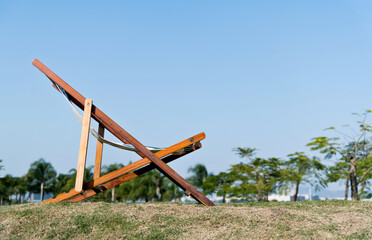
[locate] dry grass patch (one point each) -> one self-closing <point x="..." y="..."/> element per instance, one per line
<point x="301" y="220"/>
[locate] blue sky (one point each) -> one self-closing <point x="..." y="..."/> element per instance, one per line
<point x="264" y="74"/>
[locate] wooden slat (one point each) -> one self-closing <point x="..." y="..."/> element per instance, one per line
<point x="133" y="166"/>
<point x="127" y="177"/>
<point x="123" y="135"/>
<point x="98" y="162"/>
<point x="83" y="146"/>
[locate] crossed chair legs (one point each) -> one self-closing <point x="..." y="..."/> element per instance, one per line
<point x="129" y="172"/>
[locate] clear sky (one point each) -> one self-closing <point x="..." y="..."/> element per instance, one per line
<point x="264" y="74"/>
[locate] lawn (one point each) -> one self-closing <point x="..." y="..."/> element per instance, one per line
<point x="271" y="220"/>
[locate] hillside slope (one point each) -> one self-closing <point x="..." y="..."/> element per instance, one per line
<point x="317" y="219"/>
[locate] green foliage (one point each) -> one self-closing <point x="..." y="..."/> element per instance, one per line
<point x="301" y="168"/>
<point x="42" y="173"/>
<point x="152" y="186"/>
<point x="245" y="152"/>
<point x="200" y="174"/>
<point x="257" y="178"/>
<point x="219" y="184"/>
<point x="351" y="156"/>
<point x="111" y="167"/>
<point x="63" y="183"/>
<point x="7" y="185"/>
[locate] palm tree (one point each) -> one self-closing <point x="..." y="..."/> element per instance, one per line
<point x="63" y="183"/>
<point x="143" y="188"/>
<point x="23" y="187"/>
<point x="7" y="188"/>
<point x="42" y="172"/>
<point x="172" y="191"/>
<point x="200" y="173"/>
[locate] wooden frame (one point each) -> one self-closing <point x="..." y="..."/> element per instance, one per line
<point x="156" y="160"/>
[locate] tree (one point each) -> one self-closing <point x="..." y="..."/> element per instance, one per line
<point x="142" y="188"/>
<point x="256" y="178"/>
<point x="301" y="169"/>
<point x="365" y="175"/>
<point x="152" y="186"/>
<point x="42" y="173"/>
<point x="219" y="184"/>
<point x="1" y="166"/>
<point x="352" y="156"/>
<point x="110" y="168"/>
<point x="7" y="188"/>
<point x="16" y="188"/>
<point x="160" y="186"/>
<point x="173" y="192"/>
<point x="63" y="183"/>
<point x="23" y="187"/>
<point x="336" y="173"/>
<point x="200" y="174"/>
<point x="2" y="190"/>
<point x="2" y="185"/>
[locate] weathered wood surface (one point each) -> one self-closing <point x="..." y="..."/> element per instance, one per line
<point x="123" y="135"/>
<point x="99" y="151"/>
<point x="83" y="146"/>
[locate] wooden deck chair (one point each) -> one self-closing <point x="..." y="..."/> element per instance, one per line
<point x="151" y="157"/>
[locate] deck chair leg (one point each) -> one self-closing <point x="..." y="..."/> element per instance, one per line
<point x="83" y="146"/>
<point x="98" y="163"/>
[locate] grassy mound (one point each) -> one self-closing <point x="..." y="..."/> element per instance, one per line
<point x="301" y="220"/>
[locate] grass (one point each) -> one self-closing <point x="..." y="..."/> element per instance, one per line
<point x="273" y="220"/>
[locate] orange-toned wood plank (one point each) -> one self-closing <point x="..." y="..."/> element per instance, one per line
<point x="133" y="166"/>
<point x="99" y="150"/>
<point x="62" y="196"/>
<point x="83" y="146"/>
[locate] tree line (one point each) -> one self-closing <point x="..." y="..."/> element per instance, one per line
<point x="346" y="157"/>
<point x="42" y="178"/>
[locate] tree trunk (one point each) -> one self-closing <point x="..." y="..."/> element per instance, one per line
<point x="296" y="191"/>
<point x="22" y="198"/>
<point x="364" y="183"/>
<point x="10" y="199"/>
<point x="223" y="198"/>
<point x="157" y="190"/>
<point x="113" y="195"/>
<point x="29" y="197"/>
<point x="42" y="192"/>
<point x="16" y="198"/>
<point x="260" y="198"/>
<point x="347" y="188"/>
<point x="2" y="200"/>
<point x="353" y="180"/>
